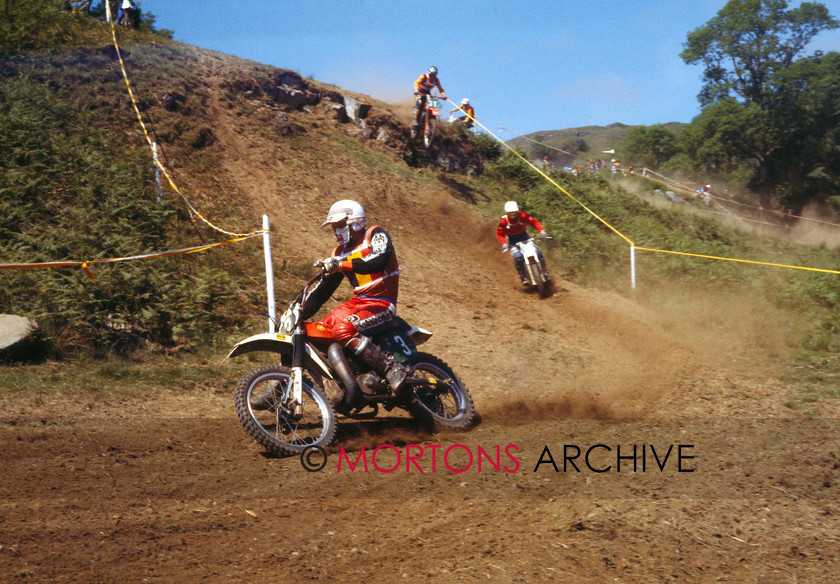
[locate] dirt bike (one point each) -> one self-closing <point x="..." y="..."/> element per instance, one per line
<point x="535" y="269"/>
<point x="313" y="365"/>
<point x="427" y="120"/>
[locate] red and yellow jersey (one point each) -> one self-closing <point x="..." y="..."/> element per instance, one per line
<point x="518" y="226"/>
<point x="425" y="84"/>
<point x="467" y="109"/>
<point x="371" y="267"/>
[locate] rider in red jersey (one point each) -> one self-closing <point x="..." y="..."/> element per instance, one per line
<point x="513" y="228"/>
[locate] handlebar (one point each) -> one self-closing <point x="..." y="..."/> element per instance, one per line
<point x="526" y="241"/>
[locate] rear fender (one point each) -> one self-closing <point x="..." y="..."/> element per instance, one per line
<point x="277" y="343"/>
<point x="418" y="335"/>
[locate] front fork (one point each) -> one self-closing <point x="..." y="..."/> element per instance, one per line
<point x="296" y="381"/>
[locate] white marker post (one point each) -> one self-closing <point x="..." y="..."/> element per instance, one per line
<point x="157" y="172"/>
<point x="269" y="275"/>
<point x="633" y="266"/>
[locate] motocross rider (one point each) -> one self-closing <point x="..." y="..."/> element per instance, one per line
<point x="513" y="228"/>
<point x="422" y="88"/>
<point x="366" y="257"/>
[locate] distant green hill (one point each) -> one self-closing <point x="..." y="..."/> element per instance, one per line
<point x="586" y="142"/>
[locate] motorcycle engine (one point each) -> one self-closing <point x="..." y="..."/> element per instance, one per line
<point x="372" y="384"/>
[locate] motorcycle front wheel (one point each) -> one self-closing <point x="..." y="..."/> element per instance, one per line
<point x="439" y="395"/>
<point x="429" y="131"/>
<point x="280" y="428"/>
<point x="539" y="279"/>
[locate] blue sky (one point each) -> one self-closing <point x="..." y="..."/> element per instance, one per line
<point x="526" y="66"/>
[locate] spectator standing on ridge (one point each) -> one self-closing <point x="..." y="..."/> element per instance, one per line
<point x="469" y="113"/>
<point x="125" y="16"/>
<point x="422" y="88"/>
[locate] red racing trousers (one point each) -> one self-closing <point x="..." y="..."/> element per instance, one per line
<point x="356" y="316"/>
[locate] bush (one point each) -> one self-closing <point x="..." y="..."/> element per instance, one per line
<point x="75" y="196"/>
<point x="488" y="147"/>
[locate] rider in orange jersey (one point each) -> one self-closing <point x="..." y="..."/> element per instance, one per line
<point x="422" y="88"/>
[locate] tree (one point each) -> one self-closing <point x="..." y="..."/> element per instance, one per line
<point x="748" y="41"/>
<point x="769" y="113"/>
<point x="649" y="145"/>
<point x="575" y="146"/>
<point x="804" y="110"/>
<point x="540" y="150"/>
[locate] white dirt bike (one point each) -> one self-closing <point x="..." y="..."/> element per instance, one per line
<point x="534" y="269"/>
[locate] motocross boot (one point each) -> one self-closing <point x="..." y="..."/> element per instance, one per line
<point x="393" y="371"/>
<point x="520" y="267"/>
<point x="265" y="400"/>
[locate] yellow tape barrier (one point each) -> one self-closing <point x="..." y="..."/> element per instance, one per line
<point x="627" y="239"/>
<point x="88" y="265"/>
<point x="711" y="257"/>
<point x="674" y="184"/>
<point x="149" y="138"/>
<point x="549" y="179"/>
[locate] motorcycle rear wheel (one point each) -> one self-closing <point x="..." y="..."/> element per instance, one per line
<point x="448" y="404"/>
<point x="277" y="428"/>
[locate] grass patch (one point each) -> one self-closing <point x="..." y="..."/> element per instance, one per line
<point x="200" y="371"/>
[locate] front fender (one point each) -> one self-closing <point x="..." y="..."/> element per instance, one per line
<point x="277" y="343"/>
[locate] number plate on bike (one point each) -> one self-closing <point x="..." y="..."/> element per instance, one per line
<point x="399" y="345"/>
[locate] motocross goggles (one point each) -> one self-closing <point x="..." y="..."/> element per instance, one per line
<point x="341" y="230"/>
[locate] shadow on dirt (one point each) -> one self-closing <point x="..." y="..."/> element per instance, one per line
<point x="353" y="435"/>
<point x="462" y="191"/>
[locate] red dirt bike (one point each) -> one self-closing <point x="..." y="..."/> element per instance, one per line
<point x="314" y="366"/>
<point x="428" y="118"/>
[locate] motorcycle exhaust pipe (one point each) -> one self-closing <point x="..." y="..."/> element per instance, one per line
<point x="339" y="362"/>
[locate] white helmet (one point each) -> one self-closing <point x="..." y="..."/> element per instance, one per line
<point x="344" y="216"/>
<point x="465" y="101"/>
<point x="511" y="207"/>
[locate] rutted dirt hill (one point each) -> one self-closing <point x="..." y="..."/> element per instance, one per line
<point x="168" y="488"/>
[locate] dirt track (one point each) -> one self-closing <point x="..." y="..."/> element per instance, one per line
<point x="168" y="488"/>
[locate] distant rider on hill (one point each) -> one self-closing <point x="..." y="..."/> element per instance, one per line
<point x="366" y="257"/>
<point x="469" y="112"/>
<point x="513" y="228"/>
<point x="422" y="88"/>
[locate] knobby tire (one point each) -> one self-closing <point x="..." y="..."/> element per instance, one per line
<point x="276" y="430"/>
<point x="448" y="407"/>
<point x="429" y="130"/>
